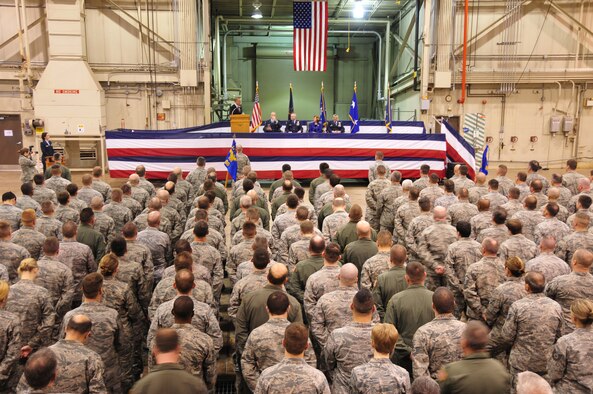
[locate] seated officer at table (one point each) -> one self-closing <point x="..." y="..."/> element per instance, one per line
<point x="335" y="126"/>
<point x="316" y="126"/>
<point x="293" y="125"/>
<point x="272" y="125"/>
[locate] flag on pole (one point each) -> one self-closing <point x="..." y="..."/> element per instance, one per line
<point x="353" y="114"/>
<point x="231" y="161"/>
<point x="484" y="167"/>
<point x="310" y="35"/>
<point x="322" y="109"/>
<point x="290" y="103"/>
<point x="256" y="115"/>
<point x="388" y="110"/>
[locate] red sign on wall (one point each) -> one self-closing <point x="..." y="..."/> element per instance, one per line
<point x="66" y="91"/>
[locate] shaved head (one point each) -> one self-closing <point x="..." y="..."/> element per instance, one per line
<point x="439" y="213"/>
<point x="134" y="179"/>
<point x="97" y="203"/>
<point x="363" y="229"/>
<point x="163" y="195"/>
<point x="339" y="191"/>
<point x="278" y="274"/>
<point x="583" y="257"/>
<point x="553" y="193"/>
<point x="480" y="178"/>
<point x="398" y="255"/>
<point x="154" y="219"/>
<point x="348" y="275"/>
<point x="548" y="244"/>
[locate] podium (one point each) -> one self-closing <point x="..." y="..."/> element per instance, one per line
<point x="240" y="123"/>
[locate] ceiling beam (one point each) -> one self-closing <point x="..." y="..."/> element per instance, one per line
<point x="273" y="9"/>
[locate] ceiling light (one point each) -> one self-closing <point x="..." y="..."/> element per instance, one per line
<point x="256" y="11"/>
<point x="358" y="10"/>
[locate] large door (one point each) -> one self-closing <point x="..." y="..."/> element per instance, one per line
<point x="11" y="139"/>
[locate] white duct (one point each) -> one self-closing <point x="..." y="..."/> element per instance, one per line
<point x="68" y="97"/>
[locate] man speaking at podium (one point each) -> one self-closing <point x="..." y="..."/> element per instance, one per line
<point x="235" y="108"/>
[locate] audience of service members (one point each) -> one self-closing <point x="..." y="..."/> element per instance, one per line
<point x="452" y="286"/>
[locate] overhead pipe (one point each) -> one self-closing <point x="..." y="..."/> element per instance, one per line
<point x="416" y="39"/>
<point x="464" y="59"/>
<point x="289" y="32"/>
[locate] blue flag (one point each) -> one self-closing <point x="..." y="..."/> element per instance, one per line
<point x="388" y="111"/>
<point x="484" y="167"/>
<point x="322" y="110"/>
<point x="353" y="114"/>
<point x="290" y="103"/>
<point x="231" y="161"/>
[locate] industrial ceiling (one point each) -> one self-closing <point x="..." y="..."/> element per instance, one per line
<point x="283" y="8"/>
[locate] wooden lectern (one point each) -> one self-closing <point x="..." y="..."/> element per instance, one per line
<point x="240" y="123"/>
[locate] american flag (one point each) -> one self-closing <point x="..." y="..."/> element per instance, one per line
<point x="310" y="35"/>
<point x="256" y="113"/>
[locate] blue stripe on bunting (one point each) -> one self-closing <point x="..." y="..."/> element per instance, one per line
<point x="259" y="159"/>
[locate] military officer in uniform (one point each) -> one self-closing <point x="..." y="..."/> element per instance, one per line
<point x="335" y="126"/>
<point x="272" y="125"/>
<point x="293" y="125"/>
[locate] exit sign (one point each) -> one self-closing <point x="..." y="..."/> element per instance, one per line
<point x="66" y="91"/>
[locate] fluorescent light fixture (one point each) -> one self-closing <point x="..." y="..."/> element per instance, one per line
<point x="256" y="11"/>
<point x="358" y="10"/>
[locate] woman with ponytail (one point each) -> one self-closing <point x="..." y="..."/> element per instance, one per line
<point x="10" y="341"/>
<point x="570" y="369"/>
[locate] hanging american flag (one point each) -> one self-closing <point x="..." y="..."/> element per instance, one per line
<point x="256" y="113"/>
<point x="310" y="35"/>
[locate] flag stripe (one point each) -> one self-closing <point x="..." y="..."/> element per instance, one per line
<point x="310" y="36"/>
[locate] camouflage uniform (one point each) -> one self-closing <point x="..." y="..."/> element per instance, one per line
<point x="160" y="249"/>
<point x="501" y="300"/>
<point x="292" y="374"/>
<point x="30" y="239"/>
<point x="585" y="211"/>
<point x="255" y="280"/>
<point x="380" y="375"/>
<point x="571" y="181"/>
<point x="284" y="208"/>
<point x="102" y="188"/>
<point x="481" y="279"/>
<point x="105" y="225"/>
<point x="77" y="204"/>
<point x="479" y="222"/>
<point x="385" y="206"/>
<point x="578" y="240"/>
<point x="551" y="227"/>
<point x="541" y="198"/>
<point x="524" y="190"/>
<point x="27" y="202"/>
<point x="105" y="339"/>
<point x="298" y="251"/>
<point x="331" y="312"/>
<point x="319" y="283"/>
<point x="460" y="255"/>
<point x="32" y="304"/>
<point x="549" y="265"/>
<point x="11" y="256"/>
<point x="446" y="201"/>
<point x="476" y="193"/>
<point x="264" y="349"/>
<point x="132" y="273"/>
<point x="496" y="200"/>
<point x="10" y="349"/>
<point x="333" y="223"/>
<point x="86" y="194"/>
<point x="432" y="192"/>
<point x="436" y="344"/>
<point x="388" y="216"/>
<point x="569" y="368"/>
<point x="462" y="211"/>
<point x="49" y="226"/>
<point x="373" y="267"/>
<point x="421" y="182"/>
<point x="81" y="369"/>
<point x="197" y="177"/>
<point x="42" y="193"/>
<point x="4" y="273"/>
<point x="260" y="231"/>
<point x="572" y="204"/>
<point x="532" y="327"/>
<point x="403" y="217"/>
<point x="461" y="181"/>
<point x="512" y="207"/>
<point x="238" y="254"/>
<point x="565" y="195"/>
<point x="289" y="237"/>
<point x="517" y="246"/>
<point x="434" y="242"/>
<point x="371" y="196"/>
<point x="498" y="232"/>
<point x="529" y="219"/>
<point x="176" y="219"/>
<point x="65" y="213"/>
<point x="200" y="272"/>
<point x="562" y="214"/>
<point x="504" y="184"/>
<point x="28" y="168"/>
<point x="79" y="258"/>
<point x="567" y="288"/>
<point x="197" y="354"/>
<point x="246" y="268"/>
<point x="140" y="195"/>
<point x="139" y="253"/>
<point x="117" y="295"/>
<point x="165" y="291"/>
<point x="347" y="348"/>
<point x="533" y="176"/>
<point x="204" y="320"/>
<point x="120" y="215"/>
<point x="57" y="184"/>
<point x="146" y="185"/>
<point x="413" y="235"/>
<point x="56" y="278"/>
<point x="133" y="205"/>
<point x="141" y="222"/>
<point x="281" y="223"/>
